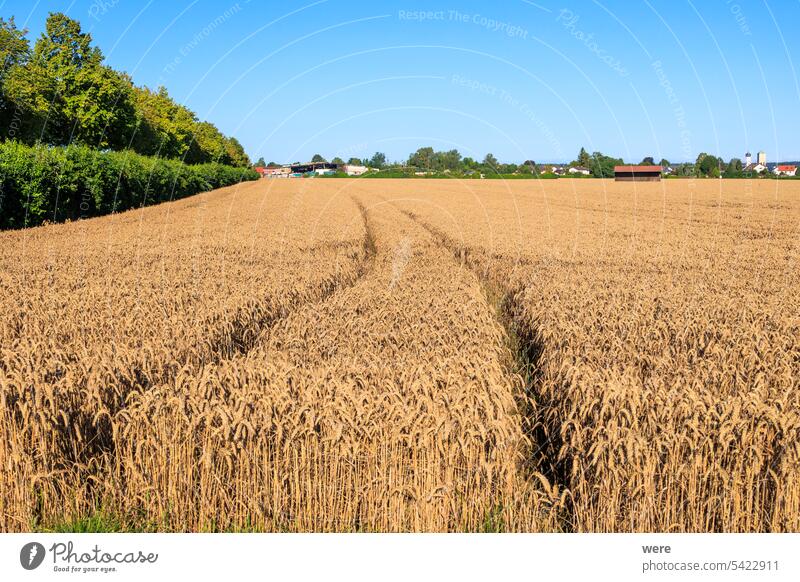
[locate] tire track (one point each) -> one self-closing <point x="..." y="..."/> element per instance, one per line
<point x="527" y="351"/>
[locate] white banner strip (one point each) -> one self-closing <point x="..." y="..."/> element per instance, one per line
<point x="353" y="557"/>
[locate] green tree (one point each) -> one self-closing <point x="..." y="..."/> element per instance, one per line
<point x="490" y="162"/>
<point x="734" y="168"/>
<point x="422" y="158"/>
<point x="235" y="153"/>
<point x="337" y="160"/>
<point x="707" y="165"/>
<point x="15" y="51"/>
<point x="508" y="168"/>
<point x="318" y="158"/>
<point x="648" y="161"/>
<point x="164" y="127"/>
<point x="664" y="163"/>
<point x="584" y="159"/>
<point x="378" y="160"/>
<point x="208" y="145"/>
<point x="354" y="162"/>
<point x="602" y="166"/>
<point x="261" y="163"/>
<point x="449" y="160"/>
<point x="66" y="87"/>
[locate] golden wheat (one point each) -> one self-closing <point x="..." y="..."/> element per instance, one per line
<point x="358" y="355"/>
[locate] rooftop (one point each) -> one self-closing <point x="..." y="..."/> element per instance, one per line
<point x="652" y="169"/>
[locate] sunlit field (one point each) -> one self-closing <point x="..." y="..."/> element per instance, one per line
<point x="409" y="355"/>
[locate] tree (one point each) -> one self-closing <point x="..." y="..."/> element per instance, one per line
<point x="163" y="127"/>
<point x="664" y="163"/>
<point x="261" y="163"/>
<point x="337" y="160"/>
<point x="354" y="162"/>
<point x="318" y="158"/>
<point x="61" y="92"/>
<point x="602" y="166"/>
<point x="708" y="165"/>
<point x="648" y="161"/>
<point x="66" y="87"/>
<point x="15" y="50"/>
<point x="208" y="145"/>
<point x="422" y="158"/>
<point x="734" y="169"/>
<point x="507" y="168"/>
<point x="449" y="160"/>
<point x="490" y="162"/>
<point x="234" y="153"/>
<point x="378" y="160"/>
<point x="584" y="159"/>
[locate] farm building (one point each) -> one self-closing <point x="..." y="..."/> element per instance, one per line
<point x="637" y="173"/>
<point x="274" y="172"/>
<point x="785" y="170"/>
<point x="352" y="170"/>
<point x="314" y="168"/>
<point x="754" y="168"/>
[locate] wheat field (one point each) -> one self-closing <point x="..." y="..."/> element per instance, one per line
<point x="409" y="355"/>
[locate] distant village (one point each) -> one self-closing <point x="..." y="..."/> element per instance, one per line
<point x="426" y="162"/>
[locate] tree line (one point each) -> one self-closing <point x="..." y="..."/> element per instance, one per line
<point x="599" y="165"/>
<point x="60" y="92"/>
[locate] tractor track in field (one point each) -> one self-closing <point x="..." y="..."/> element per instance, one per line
<point x="235" y="338"/>
<point x="249" y="325"/>
<point x="526" y="351"/>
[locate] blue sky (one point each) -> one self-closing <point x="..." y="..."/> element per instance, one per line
<point x="523" y="80"/>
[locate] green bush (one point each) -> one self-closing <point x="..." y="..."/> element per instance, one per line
<point x="45" y="183"/>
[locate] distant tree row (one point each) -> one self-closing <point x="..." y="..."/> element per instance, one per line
<point x="60" y="92"/>
<point x="599" y="165"/>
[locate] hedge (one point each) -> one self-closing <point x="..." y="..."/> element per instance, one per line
<point x="45" y="183"/>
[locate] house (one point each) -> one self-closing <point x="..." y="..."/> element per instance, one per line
<point x="754" y="168"/>
<point x="785" y="170"/>
<point x="557" y="170"/>
<point x="637" y="173"/>
<point x="580" y="170"/>
<point x="352" y="170"/>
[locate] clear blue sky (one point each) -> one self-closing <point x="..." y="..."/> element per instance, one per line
<point x="523" y="80"/>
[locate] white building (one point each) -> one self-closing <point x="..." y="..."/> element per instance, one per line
<point x="785" y="170"/>
<point x="756" y="168"/>
<point x="352" y="170"/>
<point x="580" y="170"/>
